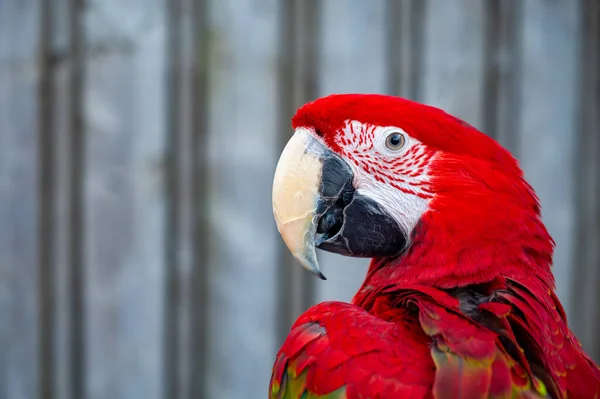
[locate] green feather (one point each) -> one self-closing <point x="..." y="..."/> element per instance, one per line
<point x="294" y="387"/>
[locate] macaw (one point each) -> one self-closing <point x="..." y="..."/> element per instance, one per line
<point x="459" y="298"/>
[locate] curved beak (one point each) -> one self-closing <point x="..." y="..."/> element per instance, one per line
<point x="295" y="197"/>
<point x="316" y="205"/>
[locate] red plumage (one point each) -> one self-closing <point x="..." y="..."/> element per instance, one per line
<point x="469" y="309"/>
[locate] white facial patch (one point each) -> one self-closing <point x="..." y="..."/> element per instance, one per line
<point x="398" y="180"/>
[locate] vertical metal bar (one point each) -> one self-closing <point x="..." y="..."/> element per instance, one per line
<point x="77" y="228"/>
<point x="404" y="36"/>
<point x="46" y="199"/>
<point x="186" y="290"/>
<point x="417" y="28"/>
<point x="585" y="315"/>
<point x="492" y="69"/>
<point x="501" y="75"/>
<point x="310" y="52"/>
<point x="172" y="194"/>
<point x="200" y="271"/>
<point x="298" y="83"/>
<point x="394" y="45"/>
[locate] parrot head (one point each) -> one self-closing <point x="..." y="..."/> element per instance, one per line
<point x="429" y="197"/>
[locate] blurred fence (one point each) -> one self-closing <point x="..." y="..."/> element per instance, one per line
<point x="138" y="139"/>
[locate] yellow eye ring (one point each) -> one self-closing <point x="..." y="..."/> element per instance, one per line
<point x="395" y="141"/>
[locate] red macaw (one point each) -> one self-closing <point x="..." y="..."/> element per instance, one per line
<point x="459" y="298"/>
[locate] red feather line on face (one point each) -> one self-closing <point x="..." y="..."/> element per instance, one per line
<point x="469" y="310"/>
<point x="399" y="173"/>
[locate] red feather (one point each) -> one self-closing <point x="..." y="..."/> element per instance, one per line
<point x="418" y="340"/>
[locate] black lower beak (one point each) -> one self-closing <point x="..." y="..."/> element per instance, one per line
<point x="349" y="223"/>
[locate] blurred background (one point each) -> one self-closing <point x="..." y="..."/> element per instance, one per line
<point x="138" y="138"/>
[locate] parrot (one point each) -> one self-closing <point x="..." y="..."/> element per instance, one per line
<point x="459" y="297"/>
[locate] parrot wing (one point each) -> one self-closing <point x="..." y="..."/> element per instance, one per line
<point x="413" y="343"/>
<point x="337" y="350"/>
<point x="540" y="323"/>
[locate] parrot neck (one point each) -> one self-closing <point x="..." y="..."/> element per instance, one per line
<point x="454" y="246"/>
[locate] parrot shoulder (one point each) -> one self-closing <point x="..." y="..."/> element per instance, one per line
<point x="338" y="350"/>
<point x="418" y="342"/>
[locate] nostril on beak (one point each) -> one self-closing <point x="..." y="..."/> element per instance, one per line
<point x="331" y="222"/>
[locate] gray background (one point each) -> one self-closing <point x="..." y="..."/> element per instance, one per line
<point x="138" y="138"/>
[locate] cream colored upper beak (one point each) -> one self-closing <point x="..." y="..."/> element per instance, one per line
<point x="295" y="196"/>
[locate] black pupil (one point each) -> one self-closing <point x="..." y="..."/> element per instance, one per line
<point x="395" y="139"/>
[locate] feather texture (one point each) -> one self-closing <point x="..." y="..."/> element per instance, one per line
<point x="424" y="342"/>
<point x="468" y="310"/>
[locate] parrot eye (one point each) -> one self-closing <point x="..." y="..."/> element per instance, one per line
<point x="394" y="141"/>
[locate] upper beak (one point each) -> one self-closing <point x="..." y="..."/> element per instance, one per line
<point x="296" y="196"/>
